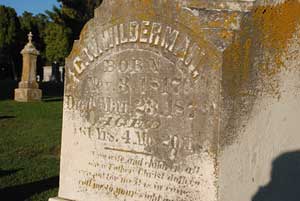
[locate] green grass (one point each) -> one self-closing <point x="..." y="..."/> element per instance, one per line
<point x="29" y="149"/>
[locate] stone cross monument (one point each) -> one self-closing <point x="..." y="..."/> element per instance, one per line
<point x="28" y="87"/>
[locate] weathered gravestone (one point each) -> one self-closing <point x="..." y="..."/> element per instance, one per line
<point x="55" y="74"/>
<point x="47" y="73"/>
<point x="28" y="87"/>
<point x="141" y="106"/>
<point x="155" y="94"/>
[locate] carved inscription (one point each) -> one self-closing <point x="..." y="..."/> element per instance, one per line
<point x="136" y="105"/>
<point x="132" y="100"/>
<point x="134" y="95"/>
<point x="146" y="87"/>
<point x="144" y="178"/>
<point x="154" y="34"/>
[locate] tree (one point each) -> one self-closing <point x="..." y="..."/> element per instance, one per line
<point x="74" y="14"/>
<point x="37" y="25"/>
<point x="57" y="40"/>
<point x="9" y="36"/>
<point x="65" y="27"/>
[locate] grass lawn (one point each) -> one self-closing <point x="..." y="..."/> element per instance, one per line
<point x="29" y="149"/>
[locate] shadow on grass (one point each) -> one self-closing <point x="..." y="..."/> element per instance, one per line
<point x="58" y="99"/>
<point x="24" y="191"/>
<point x="4" y="173"/>
<point x="7" y="88"/>
<point x="7" y="117"/>
<point x="49" y="89"/>
<point x="52" y="90"/>
<point x="285" y="183"/>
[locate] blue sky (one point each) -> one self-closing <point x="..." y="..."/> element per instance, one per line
<point x="33" y="6"/>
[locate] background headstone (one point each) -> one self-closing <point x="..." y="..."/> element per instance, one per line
<point x="28" y="87"/>
<point x="55" y="74"/>
<point x="47" y="73"/>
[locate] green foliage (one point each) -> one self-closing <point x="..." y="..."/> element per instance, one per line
<point x="35" y="24"/>
<point x="9" y="35"/>
<point x="74" y="14"/>
<point x="9" y="27"/>
<point x="57" y="40"/>
<point x="68" y="20"/>
<point x="54" y="33"/>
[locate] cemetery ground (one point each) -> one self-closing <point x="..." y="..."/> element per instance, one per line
<point x="29" y="145"/>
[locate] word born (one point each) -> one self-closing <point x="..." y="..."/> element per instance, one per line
<point x="131" y="65"/>
<point x="145" y="32"/>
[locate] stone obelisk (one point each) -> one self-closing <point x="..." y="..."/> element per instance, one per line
<point x="28" y="87"/>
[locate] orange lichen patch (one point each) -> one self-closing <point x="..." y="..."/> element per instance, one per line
<point x="226" y="35"/>
<point x="255" y="58"/>
<point x="267" y="30"/>
<point x="148" y="6"/>
<point x="231" y="20"/>
<point x="236" y="67"/>
<point x="214" y="24"/>
<point x="223" y="20"/>
<point x="277" y="24"/>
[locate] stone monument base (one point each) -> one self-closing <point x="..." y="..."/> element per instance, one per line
<point x="28" y="95"/>
<point x="57" y="199"/>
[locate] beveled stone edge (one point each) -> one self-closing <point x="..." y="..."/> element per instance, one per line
<point x="239" y="6"/>
<point x="230" y="5"/>
<point x="58" y="199"/>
